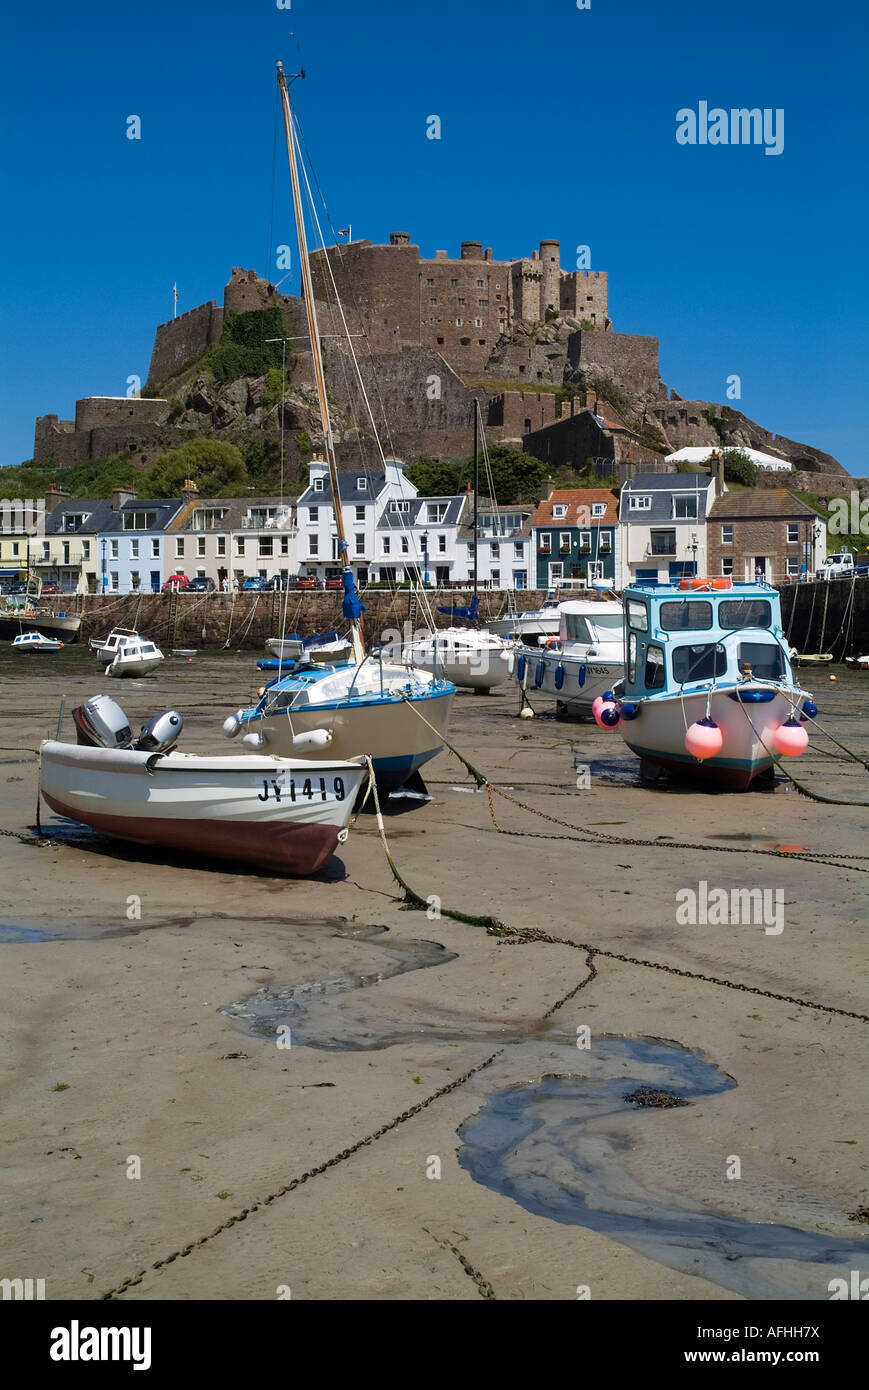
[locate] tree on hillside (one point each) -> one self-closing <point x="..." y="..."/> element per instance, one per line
<point x="516" y="476"/>
<point x="739" y="467"/>
<point x="216" y="467"/>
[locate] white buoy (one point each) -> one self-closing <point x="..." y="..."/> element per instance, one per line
<point x="526" y="712"/>
<point x="231" y="725"/>
<point x="257" y="740"/>
<point x="317" y="738"/>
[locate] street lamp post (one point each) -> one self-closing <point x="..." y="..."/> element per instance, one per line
<point x="425" y="558"/>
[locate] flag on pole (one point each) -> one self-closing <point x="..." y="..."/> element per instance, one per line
<point x="344" y="231"/>
<point x="175" y="295"/>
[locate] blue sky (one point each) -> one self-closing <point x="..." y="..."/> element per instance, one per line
<point x="556" y="122"/>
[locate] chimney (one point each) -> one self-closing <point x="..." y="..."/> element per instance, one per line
<point x="54" y="495"/>
<point x="548" y="489"/>
<point x="122" y="495"/>
<point x="189" y="489"/>
<point x="719" y="474"/>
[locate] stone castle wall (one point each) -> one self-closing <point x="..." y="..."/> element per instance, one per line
<point x="628" y="359"/>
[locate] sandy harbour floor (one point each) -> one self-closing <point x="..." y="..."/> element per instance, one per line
<point x="144" y="1036"/>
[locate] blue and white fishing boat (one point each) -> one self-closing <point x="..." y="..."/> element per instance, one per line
<point x="324" y="708"/>
<point x="708" y="688"/>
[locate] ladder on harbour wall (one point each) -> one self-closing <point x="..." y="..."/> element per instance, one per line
<point x="412" y="608"/>
<point x="172" y="620"/>
<point x="277" y="605"/>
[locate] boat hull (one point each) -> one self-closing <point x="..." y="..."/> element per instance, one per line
<point x="120" y="669"/>
<point x="66" y="629"/>
<point x="475" y="670"/>
<point x="252" y="810"/>
<point x="657" y="735"/>
<point x="582" y="681"/>
<point x="284" y="648"/>
<point x="389" y="730"/>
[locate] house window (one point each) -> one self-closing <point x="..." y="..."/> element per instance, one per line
<point x="685" y="508"/>
<point x="285" y="545"/>
<point x="221" y="545"/>
<point x="559" y="511"/>
<point x="134" y="550"/>
<point x="265" y="545"/>
<point x="314" y="515"/>
<point x="318" y="484"/>
<point x="459" y="323"/>
<point x="483" y="303"/>
<point x="496" y="550"/>
<point x="585" y="540"/>
<point x="640" y="504"/>
<point x="239" y="545"/>
<point x="478" y="323"/>
<point x="384" y="545"/>
<point x="598" y="508"/>
<point x="564" y="542"/>
<point x="496" y="579"/>
<point x="404" y="545"/>
<point x="313" y="545"/>
<point x="793" y="565"/>
<point x="179" y="546"/>
<point x="361" y="484"/>
<point x="359" y="538"/>
<point x="360" y="513"/>
<point x="545" y="542"/>
<point x="793" y="533"/>
<point x="155" y="549"/>
<point x="113" y="550"/>
<point x="442" y="545"/>
<point x="135" y="579"/>
<point x="479" y="284"/>
<point x="454" y="282"/>
<point x="519" y="550"/>
<point x="113" y="577"/>
<point x="461" y="302"/>
<point x="727" y="566"/>
<point x="727" y="533"/>
<point x="429" y="282"/>
<point x="605" y="542"/>
<point x="663" y="542"/>
<point x="85" y="550"/>
<point x="396" y="507"/>
<point x="435" y="512"/>
<point x="200" y="546"/>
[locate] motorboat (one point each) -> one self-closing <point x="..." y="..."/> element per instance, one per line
<point x="16" y="616"/>
<point x="138" y="657"/>
<point x="35" y="642"/>
<point x="857" y="663"/>
<point x="469" y="657"/>
<point x="287" y="648"/>
<point x="582" y="663"/>
<point x="532" y="627"/>
<point x="708" y="688"/>
<point x="282" y="815"/>
<point x="106" y="648"/>
<point x="342" y="702"/>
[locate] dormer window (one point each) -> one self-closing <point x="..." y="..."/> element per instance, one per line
<point x="598" y="508"/>
<point x="685" y="508"/>
<point x="318" y="484"/>
<point x="559" y="511"/>
<point x="361" y="484"/>
<point x="640" y="503"/>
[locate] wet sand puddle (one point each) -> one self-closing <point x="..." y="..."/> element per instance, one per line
<point x="561" y="1147"/>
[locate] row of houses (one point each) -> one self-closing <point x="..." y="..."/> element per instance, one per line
<point x="657" y="526"/>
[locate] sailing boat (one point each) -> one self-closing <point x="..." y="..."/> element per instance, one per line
<point x="467" y="656"/>
<point x="364" y="704"/>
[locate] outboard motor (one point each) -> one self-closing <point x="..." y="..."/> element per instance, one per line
<point x="160" y="733"/>
<point x="101" y="723"/>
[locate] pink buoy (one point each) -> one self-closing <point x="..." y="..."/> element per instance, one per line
<point x="791" y="739"/>
<point x="600" y="707"/>
<point x="704" y="739"/>
<point x="596" y="707"/>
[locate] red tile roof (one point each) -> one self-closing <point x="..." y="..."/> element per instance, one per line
<point x="574" y="498"/>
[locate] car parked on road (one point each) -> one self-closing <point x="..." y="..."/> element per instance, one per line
<point x="176" y="583"/>
<point x="309" y="581"/>
<point x="51" y="588"/>
<point x="334" y="582"/>
<point x="253" y="582"/>
<point x="201" y="584"/>
<point x="840" y="565"/>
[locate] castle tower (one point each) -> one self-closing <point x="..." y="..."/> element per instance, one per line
<point x="550" y="287"/>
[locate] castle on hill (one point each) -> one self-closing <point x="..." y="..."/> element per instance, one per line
<point x="534" y="343"/>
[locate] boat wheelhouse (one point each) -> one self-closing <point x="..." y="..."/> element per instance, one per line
<point x="708" y="685"/>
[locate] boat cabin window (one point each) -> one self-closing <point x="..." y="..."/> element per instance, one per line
<point x="638" y="615"/>
<point x="677" y="616"/>
<point x="632" y="657"/>
<point x="654" y="678"/>
<point x="766" y="659"/>
<point x="699" y="663"/>
<point x="745" y="612"/>
<point x="577" y="628"/>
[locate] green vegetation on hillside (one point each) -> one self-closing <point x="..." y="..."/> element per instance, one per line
<point x="244" y="348"/>
<point x="517" y="477"/>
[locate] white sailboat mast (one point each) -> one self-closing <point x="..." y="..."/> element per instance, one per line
<point x="314" y="331"/>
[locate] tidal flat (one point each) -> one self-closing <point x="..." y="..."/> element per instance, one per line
<point x="219" y="1084"/>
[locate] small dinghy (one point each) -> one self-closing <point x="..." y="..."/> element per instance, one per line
<point x="811" y="658"/>
<point x="278" y="814"/>
<point x="287" y="648"/>
<point x="35" y="642"/>
<point x="137" y="657"/>
<point x="857" y="663"/>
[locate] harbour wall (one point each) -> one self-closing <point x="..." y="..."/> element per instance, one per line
<point x="213" y="621"/>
